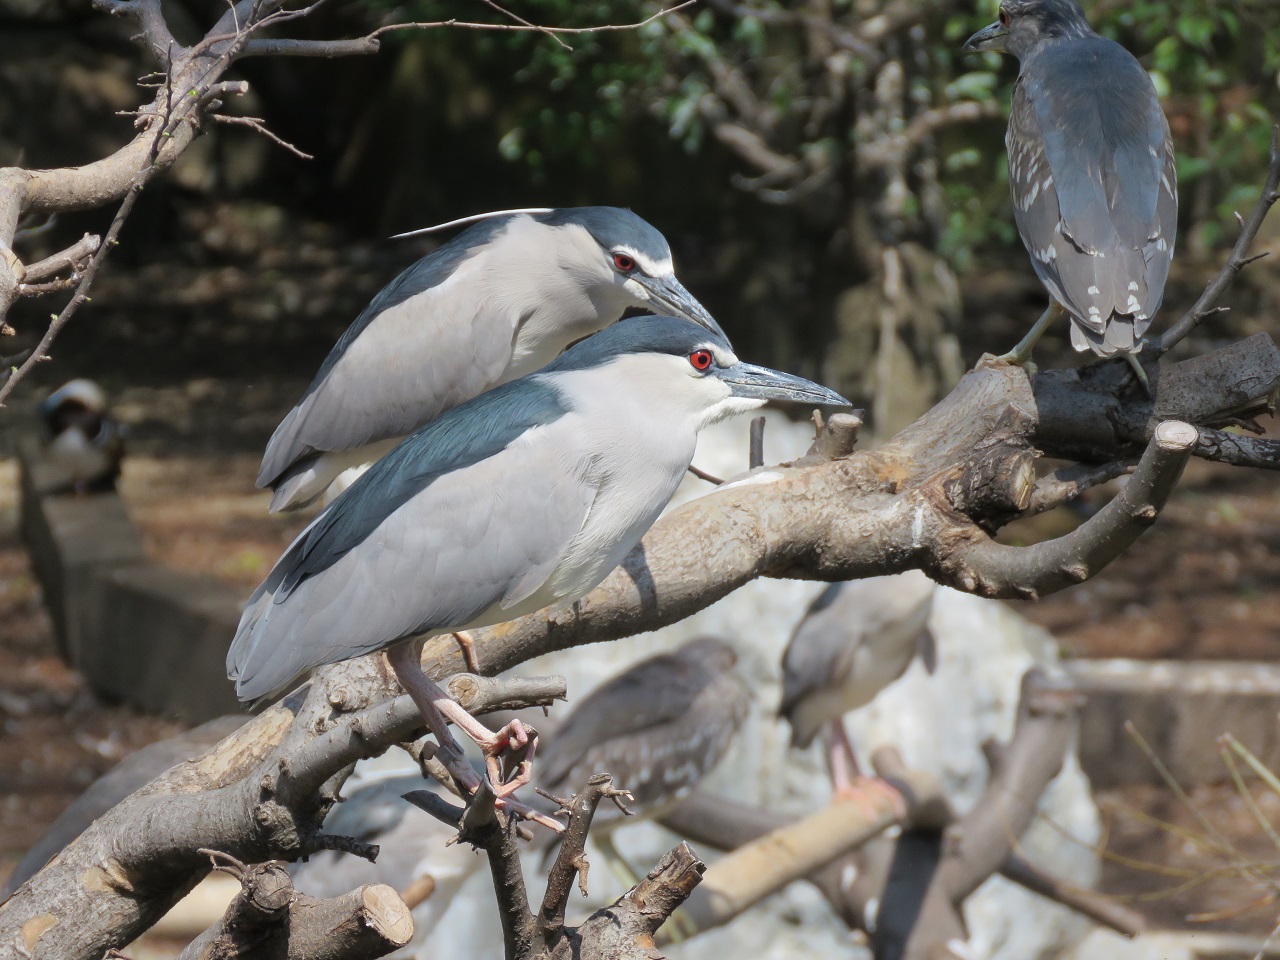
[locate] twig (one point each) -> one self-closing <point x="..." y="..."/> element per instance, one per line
<point x="703" y="475"/>
<point x="69" y="258"/>
<point x="1239" y="259"/>
<point x="1096" y="906"/>
<point x="369" y="43"/>
<point x="257" y="125"/>
<point x="571" y="861"/>
<point x="1068" y="483"/>
<point x="755" y="454"/>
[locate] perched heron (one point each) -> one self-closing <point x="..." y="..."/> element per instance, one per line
<point x="1091" y="170"/>
<point x="499" y="301"/>
<point x="79" y="432"/>
<point x="855" y="639"/>
<point x="523" y="498"/>
<point x="659" y="728"/>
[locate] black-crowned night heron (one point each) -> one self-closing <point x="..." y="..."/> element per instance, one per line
<point x="500" y="300"/>
<point x="79" y="432"/>
<point x="855" y="639"/>
<point x="524" y="498"/>
<point x="658" y="727"/>
<point x="1091" y="170"/>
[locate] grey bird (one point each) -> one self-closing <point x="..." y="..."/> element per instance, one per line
<point x="1091" y="171"/>
<point x="524" y="498"/>
<point x="855" y="639"/>
<point x="499" y="301"/>
<point x="659" y="728"/>
<point x="82" y="437"/>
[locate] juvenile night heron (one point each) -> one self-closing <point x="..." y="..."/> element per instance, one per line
<point x="659" y="728"/>
<point x="855" y="639"/>
<point x="1091" y="170"/>
<point x="524" y="498"/>
<point x="500" y="300"/>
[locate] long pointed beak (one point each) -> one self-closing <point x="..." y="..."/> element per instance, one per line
<point x="990" y="37"/>
<point x="760" y="383"/>
<point x="670" y="295"/>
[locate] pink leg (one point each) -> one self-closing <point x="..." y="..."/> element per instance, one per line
<point x="847" y="779"/>
<point x="438" y="709"/>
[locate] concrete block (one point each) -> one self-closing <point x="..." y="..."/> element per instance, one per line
<point x="1180" y="708"/>
<point x="69" y="537"/>
<point x="157" y="639"/>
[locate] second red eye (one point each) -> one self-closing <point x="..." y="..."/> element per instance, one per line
<point x="623" y="262"/>
<point x="701" y="359"/>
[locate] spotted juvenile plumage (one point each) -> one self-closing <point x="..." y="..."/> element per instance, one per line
<point x="659" y="728"/>
<point x="1091" y="171"/>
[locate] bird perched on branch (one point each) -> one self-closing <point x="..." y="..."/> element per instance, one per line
<point x="1091" y="171"/>
<point x="659" y="728"/>
<point x="500" y="300"/>
<point x="524" y="498"/>
<point x="82" y="436"/>
<point x="855" y="639"/>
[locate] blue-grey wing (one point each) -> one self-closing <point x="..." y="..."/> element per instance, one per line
<point x="443" y="559"/>
<point x="1091" y="171"/>
<point x="426" y="343"/>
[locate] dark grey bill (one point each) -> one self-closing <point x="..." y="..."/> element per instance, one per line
<point x="669" y="294"/>
<point x="988" y="38"/>
<point x="761" y="383"/>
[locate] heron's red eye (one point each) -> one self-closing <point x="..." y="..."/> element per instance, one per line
<point x="623" y="262"/>
<point x="1004" y="18"/>
<point x="701" y="359"/>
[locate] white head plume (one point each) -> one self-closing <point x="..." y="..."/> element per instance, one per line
<point x="471" y="219"/>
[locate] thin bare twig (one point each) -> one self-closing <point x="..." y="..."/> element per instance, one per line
<point x="257" y="125"/>
<point x="1239" y="259"/>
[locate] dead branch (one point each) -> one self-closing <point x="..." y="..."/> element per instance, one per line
<point x="188" y="95"/>
<point x="260" y="794"/>
<point x="1237" y="449"/>
<point x="68" y="259"/>
<point x="763" y="866"/>
<point x="271" y="920"/>
<point x="1206" y="306"/>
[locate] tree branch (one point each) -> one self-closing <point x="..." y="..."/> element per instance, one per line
<point x="1206" y="306"/>
<point x="270" y="920"/>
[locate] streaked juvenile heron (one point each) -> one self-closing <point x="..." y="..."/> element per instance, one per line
<point x="500" y="300"/>
<point x="855" y="639"/>
<point x="1091" y="171"/>
<point x="659" y="728"/>
<point x="524" y="498"/>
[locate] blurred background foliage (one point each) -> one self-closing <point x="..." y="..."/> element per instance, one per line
<point x="831" y="172"/>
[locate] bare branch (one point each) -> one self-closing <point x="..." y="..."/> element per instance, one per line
<point x="1238" y="450"/>
<point x="269" y="919"/>
<point x="1068" y="483"/>
<point x="257" y="124"/>
<point x="1239" y="259"/>
<point x="571" y="861"/>
<point x="68" y="259"/>
<point x="743" y="878"/>
<point x="1089" y="903"/>
<point x="996" y="570"/>
<point x="149" y="18"/>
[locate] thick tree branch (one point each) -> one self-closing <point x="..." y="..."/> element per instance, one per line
<point x="270" y="920"/>
<point x="791" y="852"/>
<point x="1239" y="450"/>
<point x="1207" y="305"/>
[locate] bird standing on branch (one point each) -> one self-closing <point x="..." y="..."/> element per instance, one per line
<point x="524" y="498"/>
<point x="855" y="639"/>
<point x="499" y="301"/>
<point x="1091" y="171"/>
